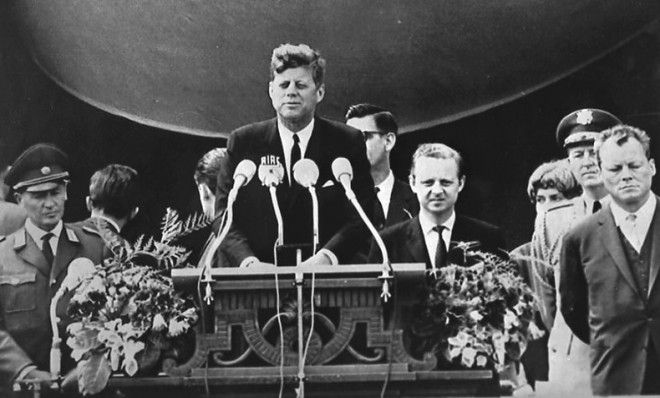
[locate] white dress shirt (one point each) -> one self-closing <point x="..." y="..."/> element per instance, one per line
<point x="635" y="226"/>
<point x="431" y="236"/>
<point x="384" y="192"/>
<point x="286" y="137"/>
<point x="37" y="233"/>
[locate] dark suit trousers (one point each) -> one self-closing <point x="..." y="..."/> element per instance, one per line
<point x="652" y="374"/>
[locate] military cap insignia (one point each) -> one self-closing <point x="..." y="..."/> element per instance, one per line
<point x="584" y="117"/>
<point x="45" y="170"/>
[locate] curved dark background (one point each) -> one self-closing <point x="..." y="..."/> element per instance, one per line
<point x="502" y="145"/>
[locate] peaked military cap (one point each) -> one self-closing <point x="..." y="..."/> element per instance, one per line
<point x="583" y="126"/>
<point x="38" y="168"/>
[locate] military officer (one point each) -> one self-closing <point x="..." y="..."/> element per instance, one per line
<point x="576" y="133"/>
<point x="33" y="264"/>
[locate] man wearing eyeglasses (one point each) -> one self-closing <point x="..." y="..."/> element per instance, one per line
<point x="396" y="201"/>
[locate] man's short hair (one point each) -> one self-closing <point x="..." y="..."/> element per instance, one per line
<point x="383" y="118"/>
<point x="438" y="151"/>
<point x="555" y="174"/>
<point x="620" y="134"/>
<point x="209" y="166"/>
<point x="288" y="56"/>
<point x="114" y="189"/>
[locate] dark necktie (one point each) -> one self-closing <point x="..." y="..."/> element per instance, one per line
<point x="379" y="215"/>
<point x="441" y="249"/>
<point x="295" y="155"/>
<point x="597" y="206"/>
<point x="46" y="249"/>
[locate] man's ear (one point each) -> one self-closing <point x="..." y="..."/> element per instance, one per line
<point x="461" y="183"/>
<point x="133" y="213"/>
<point x="88" y="203"/>
<point x="390" y="141"/>
<point x="320" y="93"/>
<point x="17" y="197"/>
<point x="270" y="89"/>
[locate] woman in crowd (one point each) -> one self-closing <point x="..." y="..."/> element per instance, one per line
<point x="551" y="189"/>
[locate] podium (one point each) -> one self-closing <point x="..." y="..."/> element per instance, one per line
<point x="249" y="342"/>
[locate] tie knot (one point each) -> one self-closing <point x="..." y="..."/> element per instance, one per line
<point x="631" y="217"/>
<point x="377" y="189"/>
<point x="296" y="139"/>
<point x="439" y="228"/>
<point x="47" y="236"/>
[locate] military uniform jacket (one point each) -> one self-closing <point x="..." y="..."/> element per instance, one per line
<point x="27" y="285"/>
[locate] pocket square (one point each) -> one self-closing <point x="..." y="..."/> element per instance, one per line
<point x="328" y="183"/>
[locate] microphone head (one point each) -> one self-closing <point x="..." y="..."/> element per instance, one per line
<point x="342" y="167"/>
<point x="245" y="168"/>
<point x="306" y="172"/>
<point x="78" y="269"/>
<point x="271" y="175"/>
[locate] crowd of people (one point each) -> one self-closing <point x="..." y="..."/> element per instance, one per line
<point x="592" y="260"/>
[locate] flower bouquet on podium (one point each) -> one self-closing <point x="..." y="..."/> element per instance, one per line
<point x="476" y="316"/>
<point x="126" y="316"/>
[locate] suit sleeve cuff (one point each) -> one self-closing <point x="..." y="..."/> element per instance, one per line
<point x="24" y="372"/>
<point x="330" y="255"/>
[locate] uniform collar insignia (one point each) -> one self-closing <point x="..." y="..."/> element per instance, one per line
<point x="71" y="235"/>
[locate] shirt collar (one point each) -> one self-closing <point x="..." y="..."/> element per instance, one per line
<point x="305" y="134"/>
<point x="428" y="224"/>
<point x="109" y="221"/>
<point x="387" y="184"/>
<point x="643" y="213"/>
<point x="589" y="202"/>
<point x="37" y="233"/>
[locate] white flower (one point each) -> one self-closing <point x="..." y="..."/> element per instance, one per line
<point x="468" y="356"/>
<point x="454" y="352"/>
<point x="109" y="338"/>
<point x="535" y="332"/>
<point x="510" y="320"/>
<point x="476" y="316"/>
<point x="114" y="358"/>
<point x="131" y="366"/>
<point x="158" y="323"/>
<point x="177" y="327"/>
<point x="481" y="361"/>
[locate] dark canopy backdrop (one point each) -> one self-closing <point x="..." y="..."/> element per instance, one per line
<point x="117" y="81"/>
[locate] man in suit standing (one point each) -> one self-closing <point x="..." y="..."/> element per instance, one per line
<point x="295" y="89"/>
<point x="396" y="201"/>
<point x="113" y="201"/>
<point x="436" y="177"/>
<point x="609" y="267"/>
<point x="33" y="263"/>
<point x="576" y="133"/>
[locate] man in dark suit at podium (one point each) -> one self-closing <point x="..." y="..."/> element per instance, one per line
<point x="396" y="201"/>
<point x="437" y="178"/>
<point x="295" y="89"/>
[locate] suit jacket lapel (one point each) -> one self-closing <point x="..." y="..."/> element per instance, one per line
<point x="612" y="242"/>
<point x="67" y="250"/>
<point x="416" y="243"/>
<point x="655" y="250"/>
<point x="28" y="250"/>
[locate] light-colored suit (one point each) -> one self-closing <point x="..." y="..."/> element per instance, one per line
<point x="602" y="304"/>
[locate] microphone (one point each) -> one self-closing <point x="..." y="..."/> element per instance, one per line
<point x="343" y="173"/>
<point x="78" y="270"/>
<point x="306" y="173"/>
<point x="243" y="173"/>
<point x="271" y="175"/>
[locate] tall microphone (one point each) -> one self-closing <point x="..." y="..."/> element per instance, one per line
<point x="243" y="173"/>
<point x="77" y="271"/>
<point x="271" y="175"/>
<point x="306" y="173"/>
<point x="343" y="173"/>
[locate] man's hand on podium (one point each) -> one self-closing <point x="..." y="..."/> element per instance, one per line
<point x="40" y="376"/>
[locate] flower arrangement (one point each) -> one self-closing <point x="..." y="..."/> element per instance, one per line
<point x="125" y="314"/>
<point x="476" y="316"/>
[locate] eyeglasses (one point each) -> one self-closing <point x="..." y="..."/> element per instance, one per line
<point x="368" y="134"/>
